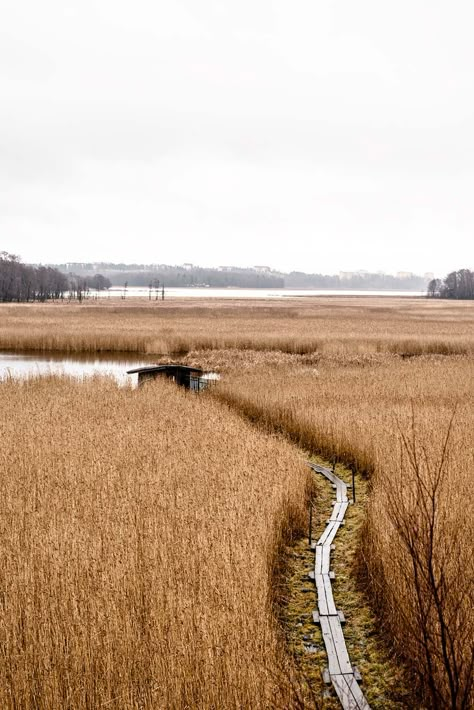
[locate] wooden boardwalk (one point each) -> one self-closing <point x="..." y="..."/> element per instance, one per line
<point x="341" y="672"/>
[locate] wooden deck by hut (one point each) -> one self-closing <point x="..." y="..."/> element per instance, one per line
<point x="192" y="378"/>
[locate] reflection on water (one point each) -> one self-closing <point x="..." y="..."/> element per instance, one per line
<point x="31" y="364"/>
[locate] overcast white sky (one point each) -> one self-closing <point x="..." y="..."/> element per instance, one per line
<point x="313" y="135"/>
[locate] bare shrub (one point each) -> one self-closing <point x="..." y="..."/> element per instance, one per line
<point x="433" y="603"/>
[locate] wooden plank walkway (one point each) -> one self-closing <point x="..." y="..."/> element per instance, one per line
<point x="341" y="672"/>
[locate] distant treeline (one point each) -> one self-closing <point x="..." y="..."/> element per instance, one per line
<point x="146" y="276"/>
<point x="178" y="276"/>
<point x="457" y="284"/>
<point x="23" y="283"/>
<point x="20" y="282"/>
<point x="198" y="277"/>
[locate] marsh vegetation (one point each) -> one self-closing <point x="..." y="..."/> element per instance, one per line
<point x="142" y="531"/>
<point x="137" y="550"/>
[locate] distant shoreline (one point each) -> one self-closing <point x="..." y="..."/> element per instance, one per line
<point x="241" y="292"/>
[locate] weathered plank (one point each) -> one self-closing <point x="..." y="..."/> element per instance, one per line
<point x="318" y="559"/>
<point x="336" y="512"/>
<point x="329" y="596"/>
<point x="329" y="530"/>
<point x="344" y="692"/>
<point x="349" y="693"/>
<point x="323" y="469"/>
<point x="341" y="511"/>
<point x="326" y="561"/>
<point x="340" y="645"/>
<point x="322" y="559"/>
<point x="335" y="480"/>
<point x="333" y="660"/>
<point x="326" y="605"/>
<point x="357" y="694"/>
<point x="334" y="527"/>
<point x="340" y="670"/>
<point x="321" y="592"/>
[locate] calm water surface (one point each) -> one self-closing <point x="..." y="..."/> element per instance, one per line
<point x="31" y="364"/>
<point x="170" y="293"/>
<point x="22" y="365"/>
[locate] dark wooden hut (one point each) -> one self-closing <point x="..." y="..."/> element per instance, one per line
<point x="188" y="377"/>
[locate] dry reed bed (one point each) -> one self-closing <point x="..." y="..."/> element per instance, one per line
<point x="139" y="532"/>
<point x="403" y="326"/>
<point x="390" y="417"/>
<point x="328" y="372"/>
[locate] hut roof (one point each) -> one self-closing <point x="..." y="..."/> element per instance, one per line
<point x="163" y="368"/>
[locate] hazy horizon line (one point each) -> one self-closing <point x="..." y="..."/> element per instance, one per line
<point x="262" y="268"/>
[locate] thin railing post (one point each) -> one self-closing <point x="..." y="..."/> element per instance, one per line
<point x="310" y="529"/>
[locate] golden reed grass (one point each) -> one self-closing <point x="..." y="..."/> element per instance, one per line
<point x="372" y="381"/>
<point x="389" y="417"/>
<point x="329" y="325"/>
<point x="139" y="531"/>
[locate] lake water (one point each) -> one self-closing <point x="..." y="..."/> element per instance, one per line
<point x="259" y="293"/>
<point x="20" y="365"/>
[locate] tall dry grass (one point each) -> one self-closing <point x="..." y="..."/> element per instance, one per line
<point x="389" y="417"/>
<point x="347" y="377"/>
<point x="139" y="533"/>
<point x="326" y="325"/>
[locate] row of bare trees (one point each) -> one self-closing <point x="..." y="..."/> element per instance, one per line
<point x="22" y="283"/>
<point x="457" y="284"/>
<point x="79" y="287"/>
